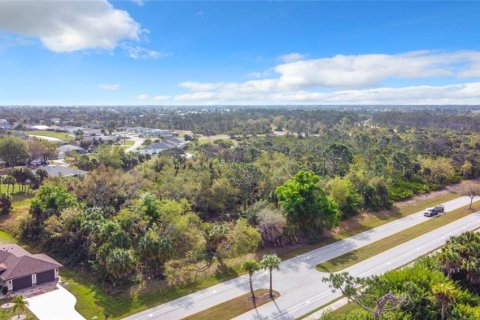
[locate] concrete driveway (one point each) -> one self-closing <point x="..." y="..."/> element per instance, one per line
<point x="58" y="304"/>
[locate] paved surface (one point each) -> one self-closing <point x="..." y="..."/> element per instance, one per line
<point x="136" y="145"/>
<point x="300" y="284"/>
<point x="51" y="139"/>
<point x="331" y="307"/>
<point x="57" y="304"/>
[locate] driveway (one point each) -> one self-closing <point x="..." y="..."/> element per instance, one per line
<point x="58" y="304"/>
<point x="300" y="284"/>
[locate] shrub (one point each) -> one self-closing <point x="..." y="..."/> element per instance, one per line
<point x="402" y="189"/>
<point x="5" y="204"/>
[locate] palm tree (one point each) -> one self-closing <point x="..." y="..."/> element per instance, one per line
<point x="251" y="266"/>
<point x="270" y="262"/>
<point x="9" y="180"/>
<point x="19" y="304"/>
<point x="445" y="293"/>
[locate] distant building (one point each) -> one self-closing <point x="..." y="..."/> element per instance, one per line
<point x="157" y="147"/>
<point x="20" y="270"/>
<point x="62" y="171"/>
<point x="67" y="149"/>
<point x="40" y="127"/>
<point x="5" y="125"/>
<point x="150" y="132"/>
<point x="102" y="138"/>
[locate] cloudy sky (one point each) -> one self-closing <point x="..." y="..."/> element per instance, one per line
<point x="228" y="52"/>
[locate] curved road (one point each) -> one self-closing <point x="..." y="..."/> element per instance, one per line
<point x="301" y="284"/>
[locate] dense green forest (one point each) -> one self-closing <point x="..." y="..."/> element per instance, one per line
<point x="135" y="217"/>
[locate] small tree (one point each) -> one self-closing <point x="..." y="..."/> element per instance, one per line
<point x="5" y="204"/>
<point x="471" y="190"/>
<point x="19" y="305"/>
<point x="351" y="288"/>
<point x="445" y="293"/>
<point x="9" y="181"/>
<point x="250" y="266"/>
<point x="42" y="174"/>
<point x="306" y="204"/>
<point x="270" y="262"/>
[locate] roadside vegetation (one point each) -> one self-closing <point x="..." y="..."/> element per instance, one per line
<point x="368" y="251"/>
<point x="442" y="286"/>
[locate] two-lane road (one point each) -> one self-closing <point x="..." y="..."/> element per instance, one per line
<point x="300" y="284"/>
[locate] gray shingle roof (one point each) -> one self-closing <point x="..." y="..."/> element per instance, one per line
<point x="15" y="262"/>
<point x="56" y="171"/>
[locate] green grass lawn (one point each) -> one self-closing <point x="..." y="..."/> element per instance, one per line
<point x="125" y="144"/>
<point x="94" y="301"/>
<point x="53" y="134"/>
<point x="8" y="314"/>
<point x="234" y="307"/>
<point x="355" y="256"/>
<point x="344" y="309"/>
<point x="6" y="237"/>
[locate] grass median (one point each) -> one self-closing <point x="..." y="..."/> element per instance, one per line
<point x="358" y="255"/>
<point x="234" y="307"/>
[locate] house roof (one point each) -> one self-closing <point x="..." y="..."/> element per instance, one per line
<point x="69" y="148"/>
<point x="167" y="143"/>
<point x="64" y="171"/>
<point x="16" y="262"/>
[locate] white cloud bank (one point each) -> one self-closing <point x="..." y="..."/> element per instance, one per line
<point x="67" y="26"/>
<point x="109" y="86"/>
<point x="292" y="57"/>
<point x="352" y="79"/>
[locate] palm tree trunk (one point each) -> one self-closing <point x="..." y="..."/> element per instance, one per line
<point x="271" y="290"/>
<point x="251" y="288"/>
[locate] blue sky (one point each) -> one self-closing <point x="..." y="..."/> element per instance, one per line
<point x="265" y="52"/>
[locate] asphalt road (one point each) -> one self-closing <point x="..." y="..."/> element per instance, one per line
<point x="300" y="284"/>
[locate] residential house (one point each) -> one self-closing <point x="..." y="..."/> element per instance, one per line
<point x="20" y="270"/>
<point x="67" y="149"/>
<point x="4" y="125"/>
<point x="167" y="143"/>
<point x="62" y="171"/>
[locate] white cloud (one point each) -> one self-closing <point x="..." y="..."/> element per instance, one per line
<point x="464" y="93"/>
<point x="139" y="2"/>
<point x="137" y="52"/>
<point x="162" y="98"/>
<point x="355" y="71"/>
<point x="158" y="98"/>
<point x="292" y="57"/>
<point x="143" y="97"/>
<point x="352" y="79"/>
<point x="67" y="26"/>
<point x="109" y="86"/>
